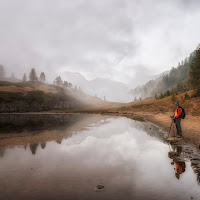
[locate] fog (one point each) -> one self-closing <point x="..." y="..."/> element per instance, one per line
<point x="126" y="41"/>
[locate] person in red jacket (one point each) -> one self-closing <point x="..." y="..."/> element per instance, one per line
<point x="177" y="119"/>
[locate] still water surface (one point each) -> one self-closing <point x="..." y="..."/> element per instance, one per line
<point x="130" y="158"/>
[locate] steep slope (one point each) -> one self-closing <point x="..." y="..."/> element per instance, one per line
<point x="174" y="81"/>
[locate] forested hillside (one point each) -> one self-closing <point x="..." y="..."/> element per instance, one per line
<point x="177" y="81"/>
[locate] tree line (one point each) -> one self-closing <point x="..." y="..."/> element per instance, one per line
<point x="57" y="81"/>
<point x="33" y="78"/>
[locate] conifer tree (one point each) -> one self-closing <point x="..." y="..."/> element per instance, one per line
<point x="194" y="73"/>
<point x="80" y="90"/>
<point x="58" y="81"/>
<point x="65" y="84"/>
<point x="70" y="85"/>
<point x="75" y="88"/>
<point x="2" y="72"/>
<point x="32" y="76"/>
<point x="12" y="76"/>
<point x="42" y="77"/>
<point x="24" y="79"/>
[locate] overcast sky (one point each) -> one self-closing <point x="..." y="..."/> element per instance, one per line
<point x="116" y="39"/>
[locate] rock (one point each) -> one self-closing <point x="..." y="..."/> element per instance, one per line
<point x="99" y="188"/>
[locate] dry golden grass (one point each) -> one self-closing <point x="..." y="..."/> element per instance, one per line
<point x="191" y="105"/>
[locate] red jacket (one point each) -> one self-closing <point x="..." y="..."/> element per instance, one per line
<point x="178" y="112"/>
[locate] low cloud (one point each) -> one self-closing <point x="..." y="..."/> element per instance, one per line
<point x="107" y="39"/>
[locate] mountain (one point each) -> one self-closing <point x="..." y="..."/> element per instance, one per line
<point x="112" y="90"/>
<point x="169" y="82"/>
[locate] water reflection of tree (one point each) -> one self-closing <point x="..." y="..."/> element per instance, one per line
<point x="59" y="141"/>
<point x="33" y="148"/>
<point x="43" y="145"/>
<point x="37" y="123"/>
<point x="25" y="146"/>
<point x="2" y="152"/>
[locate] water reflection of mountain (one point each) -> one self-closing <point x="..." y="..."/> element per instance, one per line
<point x="36" y="123"/>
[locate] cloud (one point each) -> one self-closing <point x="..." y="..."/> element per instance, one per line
<point x="108" y="38"/>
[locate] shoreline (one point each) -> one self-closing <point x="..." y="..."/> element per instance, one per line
<point x="163" y="120"/>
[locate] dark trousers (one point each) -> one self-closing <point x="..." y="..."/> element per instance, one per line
<point x="178" y="126"/>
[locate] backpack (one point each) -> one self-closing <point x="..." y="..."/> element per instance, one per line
<point x="182" y="113"/>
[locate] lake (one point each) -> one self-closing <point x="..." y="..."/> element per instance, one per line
<point x="77" y="152"/>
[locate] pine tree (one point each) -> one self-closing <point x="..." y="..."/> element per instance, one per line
<point x="12" y="76"/>
<point x="58" y="81"/>
<point x="42" y="77"/>
<point x="80" y="90"/>
<point x="32" y="76"/>
<point x="70" y="85"/>
<point x="75" y="88"/>
<point x="65" y="84"/>
<point x="2" y="72"/>
<point x="194" y="73"/>
<point x="24" y="79"/>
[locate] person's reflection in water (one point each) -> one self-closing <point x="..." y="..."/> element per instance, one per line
<point x="180" y="168"/>
<point x="179" y="165"/>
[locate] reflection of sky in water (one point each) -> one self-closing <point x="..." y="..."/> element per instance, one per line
<point x="130" y="163"/>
